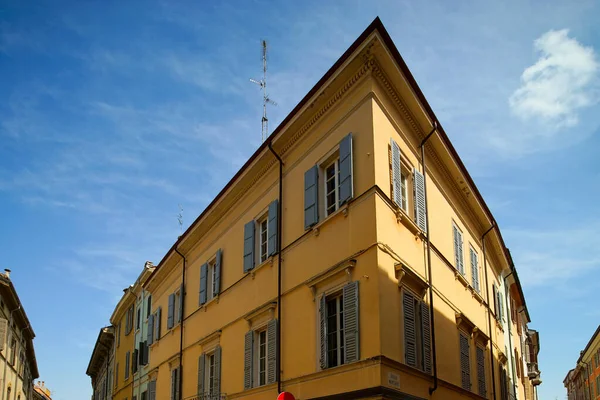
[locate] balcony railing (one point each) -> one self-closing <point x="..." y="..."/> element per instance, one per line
<point x="208" y="396"/>
<point x="532" y="370"/>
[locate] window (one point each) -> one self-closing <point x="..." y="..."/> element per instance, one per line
<point x="129" y="321"/>
<point x="175" y="384"/>
<point x="212" y="281"/>
<point x="474" y="268"/>
<point x="331" y="173"/>
<point x="261" y="351"/>
<point x="259" y="355"/>
<point x="210" y="278"/>
<point x="404" y="190"/>
<point x="144" y="396"/>
<point x="148" y="306"/>
<point x="417" y="332"/>
<point x="139" y="318"/>
<point x="481" y="384"/>
<point x="119" y="334"/>
<point x="263" y="238"/>
<point x="465" y="362"/>
<point x="458" y="249"/>
<point x="13" y="351"/>
<point x="177" y="308"/>
<point x="21" y="363"/>
<point x="127" y="359"/>
<point x="210" y="374"/>
<point x="335" y="330"/>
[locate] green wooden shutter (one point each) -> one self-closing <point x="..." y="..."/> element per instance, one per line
<point x="217" y="376"/>
<point x="218" y="261"/>
<point x="272" y="228"/>
<point x="465" y="365"/>
<point x="249" y="246"/>
<point x="351" y="322"/>
<point x="248" y="359"/>
<point x="426" y="337"/>
<point x="323" y="331"/>
<point x="311" y="197"/>
<point x="346" y="169"/>
<point x="150" y="333"/>
<point x="410" y="336"/>
<point x="481" y="385"/>
<point x="203" y="283"/>
<point x="201" y="364"/>
<point x="420" y="201"/>
<point x="271" y="351"/>
<point x="396" y="173"/>
<point x="171" y="312"/>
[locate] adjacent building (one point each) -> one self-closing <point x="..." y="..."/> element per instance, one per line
<point x="18" y="364"/>
<point x="41" y="392"/>
<point x="100" y="368"/>
<point x="143" y="306"/>
<point x="583" y="381"/>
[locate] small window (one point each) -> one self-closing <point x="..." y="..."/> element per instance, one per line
<point x="458" y="249"/>
<point x="261" y="359"/>
<point x="263" y="238"/>
<point x="209" y="384"/>
<point x="331" y="173"/>
<point x="177" y="309"/>
<point x="335" y="330"/>
<point x="211" y="277"/>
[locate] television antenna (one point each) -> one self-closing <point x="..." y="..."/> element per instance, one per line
<point x="180" y="219"/>
<point x="263" y="84"/>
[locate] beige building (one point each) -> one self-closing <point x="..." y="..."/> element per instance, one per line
<point x="101" y="366"/>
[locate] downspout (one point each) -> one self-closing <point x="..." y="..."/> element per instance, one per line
<point x="506" y="296"/>
<point x="182" y="303"/>
<point x="279" y="234"/>
<point x="487" y="292"/>
<point x="431" y="310"/>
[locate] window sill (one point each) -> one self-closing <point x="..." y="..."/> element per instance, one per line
<point x="461" y="278"/>
<point x="476" y="294"/>
<point x="215" y="299"/>
<point x="269" y="261"/>
<point x="403" y="217"/>
<point x="344" y="210"/>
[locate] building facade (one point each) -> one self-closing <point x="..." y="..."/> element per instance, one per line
<point x="583" y="381"/>
<point x="41" y="392"/>
<point x="101" y="366"/>
<point x="352" y="256"/>
<point x="126" y="321"/>
<point x="17" y="356"/>
<point x="143" y="306"/>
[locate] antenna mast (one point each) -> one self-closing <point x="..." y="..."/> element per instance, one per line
<point x="266" y="100"/>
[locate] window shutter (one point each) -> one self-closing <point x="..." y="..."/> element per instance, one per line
<point x="173" y="384"/>
<point x="465" y="366"/>
<point x="410" y="336"/>
<point x="311" y="197"/>
<point x="146" y="352"/>
<point x="150" y="334"/>
<point x="351" y="322"/>
<point x="426" y="329"/>
<point x="138" y="354"/>
<point x="134" y="364"/>
<point x="323" y="331"/>
<point x="218" y="260"/>
<point x="152" y="390"/>
<point x="346" y="186"/>
<point x="481" y="372"/>
<point x="181" y="300"/>
<point x="396" y="173"/>
<point x="474" y="270"/>
<point x="458" y="254"/>
<point x="500" y="305"/>
<point x="217" y="380"/>
<point x="170" y="316"/>
<point x="273" y="219"/>
<point x="201" y="363"/>
<point x="203" y="282"/>
<point x="420" y="201"/>
<point x="157" y="324"/>
<point x="495" y="295"/>
<point x="248" y="358"/>
<point x="249" y="246"/>
<point x="271" y="351"/>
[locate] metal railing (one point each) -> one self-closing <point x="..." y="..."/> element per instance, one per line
<point x="208" y="396"/>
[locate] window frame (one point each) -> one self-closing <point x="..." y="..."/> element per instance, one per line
<point x="459" y="232"/>
<point x="210" y="278"/>
<point x="176" y="307"/>
<point x="338" y="297"/>
<point x="419" y="341"/>
<point x="209" y="374"/>
<point x="260" y="221"/>
<point x="477" y="268"/>
<point x="257" y="359"/>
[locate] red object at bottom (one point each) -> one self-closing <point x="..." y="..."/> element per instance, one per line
<point x="286" y="396"/>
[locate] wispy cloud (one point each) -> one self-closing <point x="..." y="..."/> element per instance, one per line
<point x="560" y="83"/>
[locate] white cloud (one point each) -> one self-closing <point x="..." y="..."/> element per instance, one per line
<point x="559" y="84"/>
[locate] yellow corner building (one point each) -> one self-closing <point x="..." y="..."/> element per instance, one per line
<point x="351" y="257"/>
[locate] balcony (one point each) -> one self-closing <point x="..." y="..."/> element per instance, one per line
<point x="532" y="370"/>
<point x="208" y="396"/>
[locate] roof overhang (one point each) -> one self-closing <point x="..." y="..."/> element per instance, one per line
<point x="101" y="350"/>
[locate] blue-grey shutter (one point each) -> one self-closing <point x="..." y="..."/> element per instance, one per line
<point x="157" y="324"/>
<point x="346" y="186"/>
<point x="171" y="312"/>
<point x="217" y="374"/>
<point x="410" y="335"/>
<point x="465" y="365"/>
<point x="311" y="197"/>
<point x="482" y="388"/>
<point x="420" y="201"/>
<point x="474" y="270"/>
<point x="201" y="363"/>
<point x="217" y="284"/>
<point x="271" y="351"/>
<point x="351" y="322"/>
<point x="323" y="330"/>
<point x="426" y="330"/>
<point x="248" y="358"/>
<point x="458" y="254"/>
<point x="396" y="173"/>
<point x="181" y="300"/>
<point x="150" y="332"/>
<point x="174" y="384"/>
<point x="273" y="219"/>
<point x="495" y="296"/>
<point x="152" y="390"/>
<point x="203" y="283"/>
<point x="500" y="304"/>
<point x="249" y="246"/>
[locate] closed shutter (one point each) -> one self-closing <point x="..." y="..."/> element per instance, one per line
<point x="157" y="320"/>
<point x="517" y="363"/>
<point x="271" y="351"/>
<point x="173" y="384"/>
<point x="201" y="364"/>
<point x="249" y="246"/>
<point x="410" y="336"/>
<point x="248" y="357"/>
<point x="203" y="283"/>
<point x="146" y="352"/>
<point x="181" y="300"/>
<point x="396" y="174"/>
<point x="323" y="331"/>
<point x="217" y="376"/>
<point x="500" y="305"/>
<point x="218" y="261"/>
<point x="134" y="364"/>
<point x="3" y="331"/>
<point x="465" y="364"/>
<point x="311" y="197"/>
<point x="482" y="389"/>
<point x="495" y="295"/>
<point x="273" y="225"/>
<point x="152" y="390"/>
<point x="346" y="186"/>
<point x="458" y="254"/>
<point x="474" y="269"/>
<point x="171" y="310"/>
<point x="150" y="333"/>
<point x="426" y="329"/>
<point x="351" y="322"/>
<point x="420" y="201"/>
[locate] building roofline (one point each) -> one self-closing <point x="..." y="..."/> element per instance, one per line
<point x="103" y="331"/>
<point x="589" y="343"/>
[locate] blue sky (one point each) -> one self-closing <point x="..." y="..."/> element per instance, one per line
<point x="114" y="113"/>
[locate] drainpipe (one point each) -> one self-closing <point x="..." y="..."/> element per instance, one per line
<point x="182" y="303"/>
<point x="487" y="292"/>
<point x="279" y="234"/>
<point x="431" y="310"/>
<point x="506" y="296"/>
<point x="9" y="337"/>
